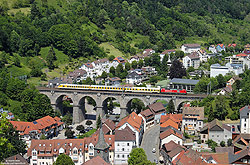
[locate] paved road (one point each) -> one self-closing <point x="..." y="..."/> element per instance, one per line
<point x="151" y="140"/>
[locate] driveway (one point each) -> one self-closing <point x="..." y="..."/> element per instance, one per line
<point x="151" y="140"/>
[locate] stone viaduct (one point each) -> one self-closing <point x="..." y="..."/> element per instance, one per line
<point x="124" y="98"/>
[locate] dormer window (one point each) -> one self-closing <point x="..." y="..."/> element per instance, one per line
<point x="40" y="145"/>
<point x="44" y="145"/>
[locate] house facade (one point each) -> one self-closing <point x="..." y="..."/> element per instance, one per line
<point x="125" y="141"/>
<point x="217" y="131"/>
<point x="189" y="48"/>
<point x="178" y="83"/>
<point x="135" y="123"/>
<point x="192" y="120"/>
<point x="171" y="134"/>
<point x="47" y="151"/>
<point x="114" y="81"/>
<point x="134" y="78"/>
<point x="192" y="60"/>
<point x="245" y="119"/>
<point x="48" y="126"/>
<point x="220" y="48"/>
<point x="216" y="69"/>
<point x="148" y="118"/>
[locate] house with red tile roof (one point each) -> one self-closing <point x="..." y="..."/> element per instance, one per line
<point x="189" y="157"/>
<point x="220" y="48"/>
<point x="170" y="151"/>
<point x="124" y="143"/>
<point x="47" y="151"/>
<point x="135" y="123"/>
<point x="90" y="143"/>
<point x="175" y="117"/>
<point x="96" y="160"/>
<point x="158" y="110"/>
<point x="47" y="125"/>
<point x="192" y="60"/>
<point x="148" y="118"/>
<point x="171" y="123"/>
<point x="108" y="127"/>
<point x="118" y="60"/>
<point x="171" y="134"/>
<point x="192" y="119"/>
<point x="80" y="150"/>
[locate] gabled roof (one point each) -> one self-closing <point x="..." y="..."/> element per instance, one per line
<point x="96" y="160"/>
<point x="114" y="79"/>
<point x="37" y="125"/>
<point x="233" y="45"/>
<point x="125" y="134"/>
<point x="146" y="113"/>
<point x="175" y="117"/>
<point x="171" y="146"/>
<point x="216" y="125"/>
<point x="55" y="144"/>
<point x="88" y="65"/>
<point x="197" y="111"/>
<point x="192" y="45"/>
<point x="194" y="56"/>
<point x="119" y="60"/>
<point x="171" y="123"/>
<point x="156" y="107"/>
<point x="169" y="132"/>
<point x="189" y="157"/>
<point x="221" y="45"/>
<point x="110" y="124"/>
<point x="133" y="119"/>
<point x="16" y="159"/>
<point x="168" y="51"/>
<point x="241" y="55"/>
<point x="219" y="158"/>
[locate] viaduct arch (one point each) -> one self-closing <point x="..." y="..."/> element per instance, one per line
<point x="78" y="98"/>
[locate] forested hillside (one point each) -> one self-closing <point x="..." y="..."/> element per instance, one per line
<point x="68" y="25"/>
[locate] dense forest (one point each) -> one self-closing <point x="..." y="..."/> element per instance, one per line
<point x="166" y="23"/>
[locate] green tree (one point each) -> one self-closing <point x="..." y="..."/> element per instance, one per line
<point x="134" y="64"/>
<point x="190" y="69"/>
<point x="14" y="41"/>
<point x="229" y="142"/>
<point x="69" y="134"/>
<point x="111" y="57"/>
<point x="220" y="107"/>
<point x="177" y="70"/>
<point x="127" y="66"/>
<point x="3" y="99"/>
<point x="5" y="145"/>
<point x="89" y="122"/>
<point x="15" y="88"/>
<point x="140" y="63"/>
<point x="119" y="70"/>
<point x="16" y="61"/>
<point x="222" y="144"/>
<point x="63" y="160"/>
<point x="212" y="144"/>
<point x="36" y="72"/>
<point x="221" y="81"/>
<point x="51" y="58"/>
<point x="112" y="70"/>
<point x="67" y="118"/>
<point x="43" y="137"/>
<point x="10" y="136"/>
<point x="137" y="106"/>
<point x="138" y="157"/>
<point x="171" y="107"/>
<point x="80" y="128"/>
<point x="104" y="75"/>
<point x="98" y="122"/>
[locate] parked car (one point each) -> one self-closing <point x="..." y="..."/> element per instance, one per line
<point x="153" y="150"/>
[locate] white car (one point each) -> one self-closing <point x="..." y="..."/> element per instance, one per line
<point x="153" y="150"/>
